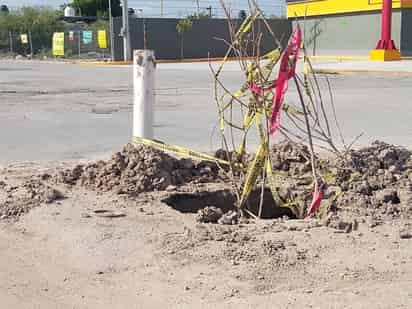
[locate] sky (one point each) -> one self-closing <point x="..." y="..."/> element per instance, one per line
<point x="172" y="8"/>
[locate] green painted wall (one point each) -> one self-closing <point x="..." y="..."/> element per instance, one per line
<point x="349" y="34"/>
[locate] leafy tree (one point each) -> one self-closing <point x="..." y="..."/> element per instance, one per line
<point x="183" y="26"/>
<point x="4" y="9"/>
<point x="97" y="7"/>
<point x="242" y="15"/>
<point x="39" y="22"/>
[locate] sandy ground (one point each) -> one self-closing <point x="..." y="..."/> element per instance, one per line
<point x="64" y="255"/>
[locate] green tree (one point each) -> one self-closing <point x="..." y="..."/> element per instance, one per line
<point x="97" y="7"/>
<point x="183" y="26"/>
<point x="242" y="15"/>
<point x="4" y="9"/>
<point x="39" y="22"/>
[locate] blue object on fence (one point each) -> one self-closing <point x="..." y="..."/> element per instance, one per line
<point x="87" y="37"/>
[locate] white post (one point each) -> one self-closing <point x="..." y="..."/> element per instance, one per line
<point x="144" y="66"/>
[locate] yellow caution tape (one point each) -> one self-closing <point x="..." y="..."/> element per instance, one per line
<point x="246" y="25"/>
<point x="222" y="124"/>
<point x="247" y="121"/>
<point x="330" y="177"/>
<point x="306" y="68"/>
<point x="238" y="94"/>
<point x="251" y="72"/>
<point x="292" y="110"/>
<point x="253" y="173"/>
<point x="178" y="150"/>
<point x="273" y="55"/>
<point x="259" y="124"/>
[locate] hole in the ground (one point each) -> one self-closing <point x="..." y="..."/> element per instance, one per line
<point x="192" y="202"/>
<point x="225" y="200"/>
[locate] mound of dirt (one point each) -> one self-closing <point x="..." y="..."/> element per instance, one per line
<point x="375" y="181"/>
<point x="17" y="200"/>
<point x="378" y="177"/>
<point x="139" y="169"/>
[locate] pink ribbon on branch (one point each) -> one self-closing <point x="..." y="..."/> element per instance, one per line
<point x="286" y="71"/>
<point x="259" y="90"/>
<point x="317" y="198"/>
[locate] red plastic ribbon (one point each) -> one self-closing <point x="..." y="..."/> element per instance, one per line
<point x="286" y="71"/>
<point x="259" y="90"/>
<point x="256" y="89"/>
<point x="317" y="199"/>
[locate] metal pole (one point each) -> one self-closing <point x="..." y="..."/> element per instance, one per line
<point x="143" y="93"/>
<point x="209" y="8"/>
<point x="386" y="41"/>
<point x="161" y="8"/>
<point x="385" y="49"/>
<point x="111" y="31"/>
<point x="126" y="33"/>
<point x="144" y="34"/>
<point x="198" y="8"/>
<point x="11" y="42"/>
<point x="386" y="20"/>
<point x="80" y="41"/>
<point x="31" y="45"/>
<point x="144" y="29"/>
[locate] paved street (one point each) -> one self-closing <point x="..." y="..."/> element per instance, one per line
<point x="53" y="111"/>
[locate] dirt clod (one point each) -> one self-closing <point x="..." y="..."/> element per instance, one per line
<point x="406" y="232"/>
<point x="229" y="218"/>
<point x="209" y="214"/>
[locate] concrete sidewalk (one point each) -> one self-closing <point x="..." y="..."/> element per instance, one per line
<point x="330" y="65"/>
<point x="403" y="67"/>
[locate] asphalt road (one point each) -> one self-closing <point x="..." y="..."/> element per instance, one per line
<point x="54" y="111"/>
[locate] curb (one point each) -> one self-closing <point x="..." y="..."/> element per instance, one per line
<point x="195" y="60"/>
<point x="348" y="58"/>
<point x="103" y="63"/>
<point x="339" y="58"/>
<point x="353" y="72"/>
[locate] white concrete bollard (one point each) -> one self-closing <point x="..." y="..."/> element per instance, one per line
<point x="144" y="66"/>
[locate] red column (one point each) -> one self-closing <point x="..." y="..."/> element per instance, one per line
<point x="386" y="41"/>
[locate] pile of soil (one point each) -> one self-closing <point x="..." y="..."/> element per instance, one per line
<point x="374" y="182"/>
<point x="377" y="181"/>
<point x="137" y="169"/>
<point x="16" y="200"/>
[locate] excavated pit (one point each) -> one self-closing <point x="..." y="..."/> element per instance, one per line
<point x="225" y="200"/>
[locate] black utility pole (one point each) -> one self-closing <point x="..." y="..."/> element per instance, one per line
<point x="209" y="8"/>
